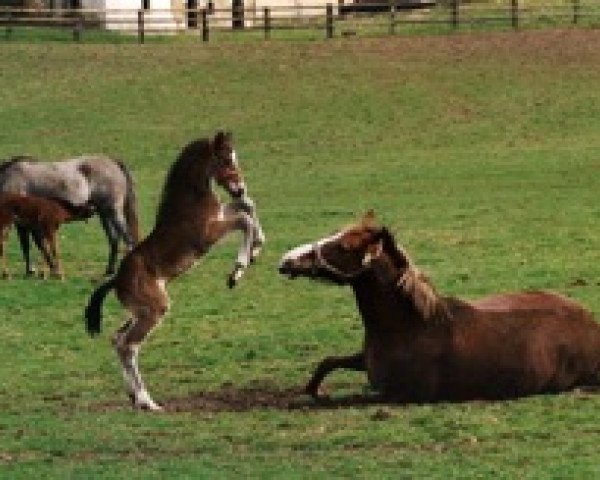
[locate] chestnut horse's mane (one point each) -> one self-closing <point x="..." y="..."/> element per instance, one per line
<point x="187" y="174"/>
<point x="415" y="285"/>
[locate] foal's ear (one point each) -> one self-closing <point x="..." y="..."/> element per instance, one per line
<point x="387" y="240"/>
<point x="220" y="138"/>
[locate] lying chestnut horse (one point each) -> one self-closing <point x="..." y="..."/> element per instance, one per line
<point x="190" y="219"/>
<point x="41" y="216"/>
<point x="423" y="347"/>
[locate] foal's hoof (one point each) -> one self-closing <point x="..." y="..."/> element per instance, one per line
<point x="148" y="406"/>
<point x="235" y="276"/>
<point x="255" y="252"/>
<point x="231" y="280"/>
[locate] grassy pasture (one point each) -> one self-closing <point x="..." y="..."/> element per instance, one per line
<point x="480" y="151"/>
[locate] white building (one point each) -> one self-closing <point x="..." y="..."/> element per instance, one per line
<point x="159" y="15"/>
<point x="172" y="15"/>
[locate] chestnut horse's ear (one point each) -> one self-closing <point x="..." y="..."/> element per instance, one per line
<point x="368" y="219"/>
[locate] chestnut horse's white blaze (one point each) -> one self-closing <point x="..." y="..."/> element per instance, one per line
<point x="308" y="248"/>
<point x="190" y="220"/>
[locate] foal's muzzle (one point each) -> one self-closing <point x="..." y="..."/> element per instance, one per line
<point x="231" y="180"/>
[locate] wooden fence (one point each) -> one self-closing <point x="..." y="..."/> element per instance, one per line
<point x="331" y="19"/>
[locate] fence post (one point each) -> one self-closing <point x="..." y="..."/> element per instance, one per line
<point x="140" y="15"/>
<point x="205" y="32"/>
<point x="455" y="13"/>
<point x="267" y="23"/>
<point x="392" y="18"/>
<point x="576" y="6"/>
<point x="514" y="13"/>
<point x="9" y="28"/>
<point x="329" y="21"/>
<point x="78" y="28"/>
<point x="341" y="14"/>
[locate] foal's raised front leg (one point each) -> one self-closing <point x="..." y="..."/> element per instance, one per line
<point x="245" y="223"/>
<point x="352" y="362"/>
<point x="232" y="217"/>
<point x="247" y="205"/>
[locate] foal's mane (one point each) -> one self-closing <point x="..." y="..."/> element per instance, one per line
<point x="187" y="173"/>
<point x="414" y="284"/>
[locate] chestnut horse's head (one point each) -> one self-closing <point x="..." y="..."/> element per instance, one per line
<point x="345" y="255"/>
<point x="224" y="168"/>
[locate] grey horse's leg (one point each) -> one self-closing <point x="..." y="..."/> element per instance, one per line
<point x="117" y="218"/>
<point x="352" y="362"/>
<point x="23" y="234"/>
<point x="113" y="243"/>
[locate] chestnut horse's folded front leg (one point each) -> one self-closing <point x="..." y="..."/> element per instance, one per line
<point x="329" y="364"/>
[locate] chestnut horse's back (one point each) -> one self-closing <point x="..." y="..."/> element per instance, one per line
<point x="550" y="339"/>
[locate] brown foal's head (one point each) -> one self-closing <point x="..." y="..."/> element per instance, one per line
<point x="224" y="168"/>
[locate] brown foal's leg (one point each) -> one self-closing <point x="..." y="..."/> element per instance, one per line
<point x="3" y="237"/>
<point x="41" y="241"/>
<point x="53" y="248"/>
<point x="352" y="362"/>
<point x="129" y="338"/>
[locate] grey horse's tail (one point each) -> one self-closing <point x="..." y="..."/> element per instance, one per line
<point x="131" y="216"/>
<point x="93" y="311"/>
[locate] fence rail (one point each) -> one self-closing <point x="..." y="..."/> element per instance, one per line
<point x="332" y="19"/>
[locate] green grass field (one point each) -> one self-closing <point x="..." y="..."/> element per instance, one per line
<point x="480" y="151"/>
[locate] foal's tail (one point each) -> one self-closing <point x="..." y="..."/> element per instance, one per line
<point x="93" y="311"/>
<point x="131" y="216"/>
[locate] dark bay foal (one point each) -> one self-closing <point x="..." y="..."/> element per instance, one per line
<point x="43" y="217"/>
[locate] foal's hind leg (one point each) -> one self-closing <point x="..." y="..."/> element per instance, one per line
<point x="40" y="239"/>
<point x="128" y="340"/>
<point x="23" y="234"/>
<point x="52" y="243"/>
<point x="3" y="238"/>
<point x="352" y="362"/>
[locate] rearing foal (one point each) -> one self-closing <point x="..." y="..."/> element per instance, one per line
<point x="189" y="221"/>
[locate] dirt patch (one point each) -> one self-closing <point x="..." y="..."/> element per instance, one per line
<point x="233" y="399"/>
<point x="229" y="398"/>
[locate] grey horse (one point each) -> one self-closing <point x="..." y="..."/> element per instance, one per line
<point x="95" y="181"/>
